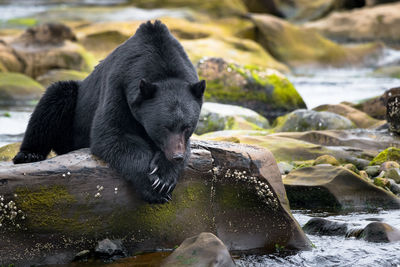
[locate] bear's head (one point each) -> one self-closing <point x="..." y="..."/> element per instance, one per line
<point x="169" y="111"/>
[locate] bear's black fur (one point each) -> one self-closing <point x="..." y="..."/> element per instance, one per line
<point x="136" y="111"/>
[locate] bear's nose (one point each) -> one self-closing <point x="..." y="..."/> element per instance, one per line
<point x="178" y="158"/>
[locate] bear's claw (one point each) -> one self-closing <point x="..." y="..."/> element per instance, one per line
<point x="154" y="170"/>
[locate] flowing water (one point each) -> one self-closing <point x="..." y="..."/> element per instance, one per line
<point x="338" y="250"/>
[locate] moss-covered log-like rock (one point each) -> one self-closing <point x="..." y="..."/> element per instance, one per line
<point x="67" y="203"/>
<point x="335" y="188"/>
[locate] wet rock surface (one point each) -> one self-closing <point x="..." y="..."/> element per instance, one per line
<point x="78" y="196"/>
<point x="204" y="249"/>
<point x="336" y="188"/>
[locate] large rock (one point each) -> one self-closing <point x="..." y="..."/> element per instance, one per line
<point x="295" y="46"/>
<point x="42" y="49"/>
<point x="367" y="24"/>
<point x="9" y="59"/>
<point x="265" y="91"/>
<point x="217" y="117"/>
<point x="335" y="188"/>
<point x="204" y="249"/>
<point x="359" y="118"/>
<point x="305" y="120"/>
<point x="380" y="232"/>
<point x="320" y="226"/>
<point x="18" y="88"/>
<point x="70" y="201"/>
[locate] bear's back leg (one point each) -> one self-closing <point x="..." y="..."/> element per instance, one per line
<point x="51" y="123"/>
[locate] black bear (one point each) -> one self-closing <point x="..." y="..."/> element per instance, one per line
<point x="136" y="111"/>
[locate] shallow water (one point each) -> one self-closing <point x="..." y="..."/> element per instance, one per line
<point x="338" y="251"/>
<point x="333" y="85"/>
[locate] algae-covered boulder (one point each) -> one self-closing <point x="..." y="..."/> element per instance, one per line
<point x="265" y="91"/>
<point x="71" y="201"/>
<point x="61" y="75"/>
<point x="204" y="249"/>
<point x="359" y="118"/>
<point x="298" y="46"/>
<point x="18" y="88"/>
<point x="389" y="154"/>
<point x="8" y="152"/>
<point x="367" y="24"/>
<point x="335" y="188"/>
<point x="212" y="7"/>
<point x="216" y="117"/>
<point x="305" y="120"/>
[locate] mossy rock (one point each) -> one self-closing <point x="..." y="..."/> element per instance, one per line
<point x="326" y="159"/>
<point x="8" y="152"/>
<point x="216" y="8"/>
<point x="389" y="154"/>
<point x="18" y="88"/>
<point x="382" y="182"/>
<point x="305" y="120"/>
<point x="61" y="75"/>
<point x="265" y="91"/>
<point x="298" y="46"/>
<point x="22" y="22"/>
<point x="217" y="117"/>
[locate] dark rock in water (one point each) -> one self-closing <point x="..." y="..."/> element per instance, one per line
<point x="109" y="249"/>
<point x="319" y="226"/>
<point x="204" y="249"/>
<point x="72" y="201"/>
<point x="337" y="188"/>
<point x="393" y="113"/>
<point x="380" y="232"/>
<point x="376" y="107"/>
<point x="82" y="255"/>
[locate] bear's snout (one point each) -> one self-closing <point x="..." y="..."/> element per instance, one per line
<point x="175" y="148"/>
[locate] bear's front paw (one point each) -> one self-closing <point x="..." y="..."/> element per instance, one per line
<point x="153" y="198"/>
<point x="26" y="157"/>
<point x="161" y="187"/>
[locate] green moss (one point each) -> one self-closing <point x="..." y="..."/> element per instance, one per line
<point x="326" y="159"/>
<point x="382" y="182"/>
<point x="45" y="207"/>
<point x="8" y="152"/>
<point x="26" y="22"/>
<point x="389" y="154"/>
<point x="16" y="86"/>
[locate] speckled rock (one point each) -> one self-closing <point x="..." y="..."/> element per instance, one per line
<point x="217" y="117"/>
<point x="232" y="190"/>
<point x="305" y="120"/>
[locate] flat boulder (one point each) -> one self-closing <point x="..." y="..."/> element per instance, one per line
<point x="335" y="188"/>
<point x="71" y="201"/>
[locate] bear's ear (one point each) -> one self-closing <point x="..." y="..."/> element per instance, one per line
<point x="198" y="88"/>
<point x="147" y="89"/>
